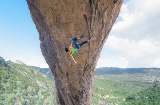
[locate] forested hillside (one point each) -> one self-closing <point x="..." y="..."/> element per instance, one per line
<point x="24" y="85"/>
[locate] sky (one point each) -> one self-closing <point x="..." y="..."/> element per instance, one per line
<point x="134" y="40"/>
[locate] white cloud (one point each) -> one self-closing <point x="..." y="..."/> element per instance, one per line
<point x="136" y="36"/>
<point x="156" y="63"/>
<point x="140" y="19"/>
<point x="137" y="53"/>
<point x="117" y="61"/>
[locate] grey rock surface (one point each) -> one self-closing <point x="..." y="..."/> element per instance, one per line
<point x="57" y="21"/>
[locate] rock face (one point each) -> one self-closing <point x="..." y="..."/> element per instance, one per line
<point x="58" y="21"/>
<point x="2" y="62"/>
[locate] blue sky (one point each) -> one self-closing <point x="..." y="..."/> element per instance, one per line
<point x="18" y="35"/>
<point x="133" y="41"/>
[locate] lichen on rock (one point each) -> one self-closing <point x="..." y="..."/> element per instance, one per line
<point x="57" y="21"/>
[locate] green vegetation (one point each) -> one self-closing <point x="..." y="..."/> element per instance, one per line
<point x="23" y="85"/>
<point x="150" y="96"/>
<point x="127" y="89"/>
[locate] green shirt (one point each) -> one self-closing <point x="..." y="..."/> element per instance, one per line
<point x="73" y="50"/>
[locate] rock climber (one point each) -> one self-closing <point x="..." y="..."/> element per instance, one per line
<point x="74" y="49"/>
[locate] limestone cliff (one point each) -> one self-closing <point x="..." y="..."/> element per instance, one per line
<point x="3" y="62"/>
<point x="59" y="20"/>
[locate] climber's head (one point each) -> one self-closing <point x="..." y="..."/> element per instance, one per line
<point x="66" y="49"/>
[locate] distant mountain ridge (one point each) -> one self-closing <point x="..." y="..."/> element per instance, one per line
<point x="114" y="70"/>
<point x="105" y="70"/>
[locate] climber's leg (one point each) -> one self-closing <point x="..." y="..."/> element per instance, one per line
<point x="83" y="43"/>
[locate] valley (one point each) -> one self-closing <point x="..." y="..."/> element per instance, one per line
<point x="21" y="84"/>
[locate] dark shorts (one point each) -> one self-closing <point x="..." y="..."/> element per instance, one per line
<point x="74" y="40"/>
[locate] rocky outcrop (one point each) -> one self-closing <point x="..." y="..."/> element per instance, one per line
<point x="59" y="20"/>
<point x="3" y="62"/>
<point x="19" y="62"/>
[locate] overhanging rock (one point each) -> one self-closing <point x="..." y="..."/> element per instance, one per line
<point x="58" y="21"/>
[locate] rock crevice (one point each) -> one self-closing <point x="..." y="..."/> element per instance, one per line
<point x="57" y="21"/>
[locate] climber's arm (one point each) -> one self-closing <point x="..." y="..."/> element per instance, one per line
<point x="70" y="45"/>
<point x="73" y="58"/>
